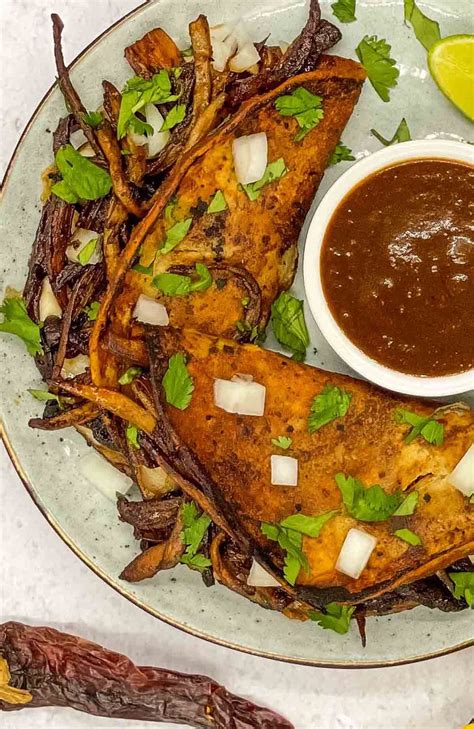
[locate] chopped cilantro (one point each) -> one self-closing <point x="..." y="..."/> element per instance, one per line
<point x="129" y="375"/>
<point x="92" y="118"/>
<point x="274" y="171"/>
<point x="82" y="179"/>
<point x="341" y="153"/>
<point x="175" y="116"/>
<point x="304" y="106"/>
<point x="16" y="321"/>
<point x="92" y="310"/>
<point x="132" y="435"/>
<point x="309" y="525"/>
<point x="177" y="382"/>
<point x="282" y="442"/>
<point x="344" y="10"/>
<point x="425" y="427"/>
<point x="44" y="396"/>
<point x="374" y="55"/>
<point x="174" y="284"/>
<point x="289" y="325"/>
<point x="175" y="235"/>
<point x="408" y="505"/>
<point x="290" y="542"/>
<point x="136" y="94"/>
<point x="335" y="617"/>
<point x="195" y="526"/>
<point x="426" y="30"/>
<point x="402" y="134"/>
<point x="86" y="253"/>
<point x="332" y="403"/>
<point x="408" y="536"/>
<point x="367" y="504"/>
<point x="218" y="203"/>
<point x="463" y="586"/>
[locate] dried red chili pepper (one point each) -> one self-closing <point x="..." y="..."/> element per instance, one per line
<point x="63" y="670"/>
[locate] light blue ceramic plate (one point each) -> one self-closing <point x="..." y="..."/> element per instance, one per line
<point x="48" y="465"/>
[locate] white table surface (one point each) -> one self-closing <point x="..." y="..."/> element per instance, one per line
<point x="42" y="582"/>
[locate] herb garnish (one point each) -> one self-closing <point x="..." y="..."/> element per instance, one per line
<point x="274" y="171"/>
<point x="195" y="526"/>
<point x="335" y="617"/>
<point x="304" y="106"/>
<point x="282" y="442"/>
<point x="290" y="541"/>
<point x="332" y="403"/>
<point x="309" y="525"/>
<point x="374" y="54"/>
<point x="175" y="116"/>
<point x="16" y="321"/>
<point x="174" y="284"/>
<point x="463" y="586"/>
<point x="86" y="253"/>
<point x="344" y="10"/>
<point x="218" y="203"/>
<point x="145" y="270"/>
<point x="367" y="504"/>
<point x="341" y="153"/>
<point x="136" y="94"/>
<point x="82" y="179"/>
<point x="44" y="396"/>
<point x="426" y="30"/>
<point x="289" y="535"/>
<point x="408" y="536"/>
<point x="92" y="118"/>
<point x="177" y="382"/>
<point x="175" y="235"/>
<point x="408" y="505"/>
<point x="92" y="310"/>
<point x="402" y="134"/>
<point x="132" y="435"/>
<point x="129" y="375"/>
<point x="425" y="427"/>
<point x="289" y="325"/>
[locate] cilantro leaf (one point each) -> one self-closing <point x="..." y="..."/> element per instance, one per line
<point x="344" y="10"/>
<point x="139" y="92"/>
<point x="309" y="525"/>
<point x="425" y="427"/>
<point x="218" y="203"/>
<point x="426" y="30"/>
<point x="195" y="526"/>
<point x="335" y="617"/>
<point x="174" y="284"/>
<point x="289" y="325"/>
<point x="408" y="505"/>
<point x="132" y="435"/>
<point x="304" y="106"/>
<point x="175" y="116"/>
<point x="92" y="118"/>
<point x="290" y="542"/>
<point x="273" y="171"/>
<point x="341" y="153"/>
<point x="374" y="55"/>
<point x="463" y="586"/>
<point x="16" y="321"/>
<point x="408" y="536"/>
<point x="175" y="235"/>
<point x="129" y="375"/>
<point x="92" y="310"/>
<point x="86" y="253"/>
<point x="82" y="179"/>
<point x="44" y="396"/>
<point x="177" y="382"/>
<point x="332" y="403"/>
<point x="169" y="209"/>
<point x="282" y="442"/>
<point x="402" y="134"/>
<point x="366" y="504"/>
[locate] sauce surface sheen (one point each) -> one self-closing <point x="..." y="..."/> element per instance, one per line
<point x="397" y="266"/>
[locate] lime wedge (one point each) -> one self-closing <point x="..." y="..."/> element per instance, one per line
<point x="451" y="62"/>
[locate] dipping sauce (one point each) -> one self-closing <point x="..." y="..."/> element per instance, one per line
<point x="397" y="266"/>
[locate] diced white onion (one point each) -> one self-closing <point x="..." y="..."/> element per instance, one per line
<point x="105" y="477"/>
<point x="463" y="475"/>
<point x="241" y="378"/>
<point x="222" y="51"/>
<point x="355" y="552"/>
<point x="157" y="140"/>
<point x="220" y="32"/>
<point x="284" y="45"/>
<point x="150" y="311"/>
<point x="241" y="397"/>
<point x="80" y="239"/>
<point x="77" y="138"/>
<point x="284" y="470"/>
<point x="86" y="150"/>
<point x="155" y="480"/>
<point x="250" y="157"/>
<point x="48" y="303"/>
<point x="75" y="366"/>
<point x="247" y="57"/>
<point x="240" y="33"/>
<point x="258" y="577"/>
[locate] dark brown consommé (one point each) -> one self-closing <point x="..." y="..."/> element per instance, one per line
<point x="397" y="266"/>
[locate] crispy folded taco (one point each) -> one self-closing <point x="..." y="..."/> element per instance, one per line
<point x="250" y="247"/>
<point x="223" y="461"/>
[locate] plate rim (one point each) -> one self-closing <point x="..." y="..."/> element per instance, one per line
<point x="134" y="599"/>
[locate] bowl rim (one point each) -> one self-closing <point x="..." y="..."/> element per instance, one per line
<point x="352" y="355"/>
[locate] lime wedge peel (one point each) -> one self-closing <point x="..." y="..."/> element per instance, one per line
<point x="451" y="63"/>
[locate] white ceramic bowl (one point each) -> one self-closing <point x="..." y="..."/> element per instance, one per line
<point x="349" y="352"/>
